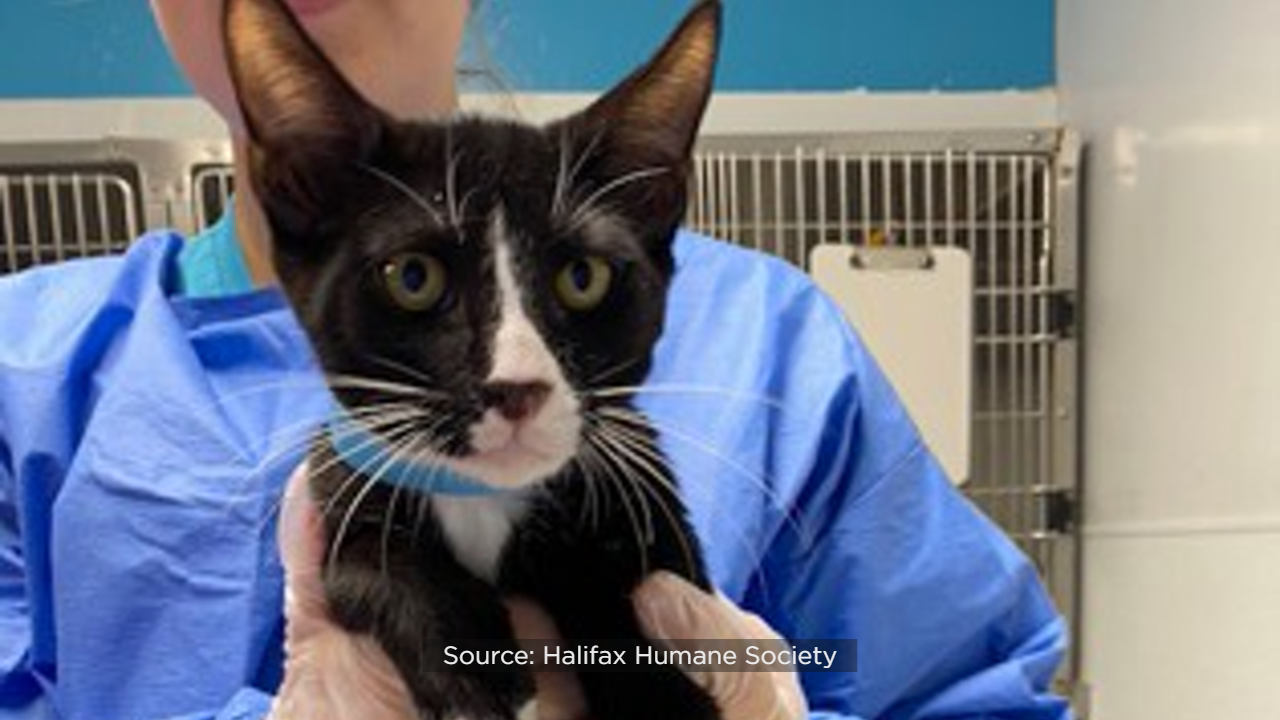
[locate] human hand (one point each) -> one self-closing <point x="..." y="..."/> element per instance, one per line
<point x="681" y="616"/>
<point x="331" y="674"/>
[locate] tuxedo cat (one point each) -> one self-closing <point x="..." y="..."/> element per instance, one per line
<point x="483" y="296"/>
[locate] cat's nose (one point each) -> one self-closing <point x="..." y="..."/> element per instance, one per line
<point x="515" y="401"/>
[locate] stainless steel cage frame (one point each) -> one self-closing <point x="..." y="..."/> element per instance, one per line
<point x="1009" y="198"/>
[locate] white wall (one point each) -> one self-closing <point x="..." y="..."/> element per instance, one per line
<point x="752" y="113"/>
<point x="1180" y="100"/>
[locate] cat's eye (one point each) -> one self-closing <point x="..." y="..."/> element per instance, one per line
<point x="583" y="283"/>
<point x="415" y="281"/>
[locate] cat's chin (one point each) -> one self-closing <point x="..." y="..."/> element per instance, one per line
<point x="512" y="466"/>
<point x="511" y="457"/>
<point x="511" y="454"/>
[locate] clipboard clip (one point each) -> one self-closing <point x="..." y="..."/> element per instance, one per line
<point x="891" y="258"/>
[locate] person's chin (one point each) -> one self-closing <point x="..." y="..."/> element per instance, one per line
<point x="312" y="8"/>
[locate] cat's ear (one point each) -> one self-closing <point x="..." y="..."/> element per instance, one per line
<point x="649" y="121"/>
<point x="655" y="112"/>
<point x="307" y="126"/>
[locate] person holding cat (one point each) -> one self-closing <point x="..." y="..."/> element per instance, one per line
<point x="150" y="408"/>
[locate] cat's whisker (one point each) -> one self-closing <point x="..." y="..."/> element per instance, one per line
<point x="302" y="426"/>
<point x="300" y="435"/>
<point x="452" y="160"/>
<point x="564" y="180"/>
<point x="387" y="456"/>
<point x="602" y="212"/>
<point x="629" y="474"/>
<point x="431" y="449"/>
<point x="644" y="444"/>
<point x="242" y="496"/>
<point x="392" y="425"/>
<point x="579" y="460"/>
<point x="409" y="371"/>
<point x="613" y="464"/>
<point x="370" y="418"/>
<point x="587" y="153"/>
<point x="430" y="444"/>
<point x="760" y="481"/>
<point x="612" y="483"/>
<point x="389" y="394"/>
<point x="562" y="169"/>
<point x="588" y="461"/>
<point x="300" y="381"/>
<point x="390" y="430"/>
<point x="299" y="448"/>
<point x="281" y="441"/>
<point x="388" y="521"/>
<point x="609" y="372"/>
<point x="374" y="416"/>
<point x="647" y="460"/>
<point x="402" y="436"/>
<point x="685" y="389"/>
<point x="356" y="382"/>
<point x="462" y="205"/>
<point x="575" y="220"/>
<point x="424" y="507"/>
<point x="584" y="460"/>
<point x="401" y="187"/>
<point x="303" y="431"/>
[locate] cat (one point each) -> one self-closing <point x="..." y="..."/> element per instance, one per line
<point x="481" y="294"/>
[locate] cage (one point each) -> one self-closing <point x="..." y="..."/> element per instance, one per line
<point x="1008" y="198"/>
<point x="55" y="212"/>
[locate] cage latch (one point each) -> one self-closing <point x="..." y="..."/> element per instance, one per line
<point x="1059" y="510"/>
<point x="1062" y="312"/>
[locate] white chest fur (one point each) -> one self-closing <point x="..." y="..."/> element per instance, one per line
<point x="477" y="528"/>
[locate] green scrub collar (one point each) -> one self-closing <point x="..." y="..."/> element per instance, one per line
<point x="211" y="263"/>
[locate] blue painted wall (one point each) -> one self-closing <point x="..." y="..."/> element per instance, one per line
<point x="89" y="48"/>
<point x="780" y="45"/>
<point x="83" y="48"/>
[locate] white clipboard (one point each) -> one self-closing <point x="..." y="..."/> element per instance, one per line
<point x="914" y="310"/>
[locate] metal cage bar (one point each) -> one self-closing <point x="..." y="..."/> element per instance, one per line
<point x="50" y="215"/>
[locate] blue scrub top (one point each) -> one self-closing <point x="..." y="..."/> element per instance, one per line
<point x="146" y="431"/>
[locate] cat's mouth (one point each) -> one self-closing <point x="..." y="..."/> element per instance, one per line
<point x="512" y="450"/>
<point x="508" y="437"/>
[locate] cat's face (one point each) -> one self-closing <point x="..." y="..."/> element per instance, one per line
<point x="469" y="286"/>
<point x="455" y="273"/>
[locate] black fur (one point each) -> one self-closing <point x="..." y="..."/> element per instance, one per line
<point x="345" y="188"/>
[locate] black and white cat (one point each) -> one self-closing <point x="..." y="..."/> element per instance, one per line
<point x="483" y="297"/>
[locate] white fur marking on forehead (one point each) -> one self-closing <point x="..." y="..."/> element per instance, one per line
<point x="508" y="453"/>
<point x="519" y="353"/>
